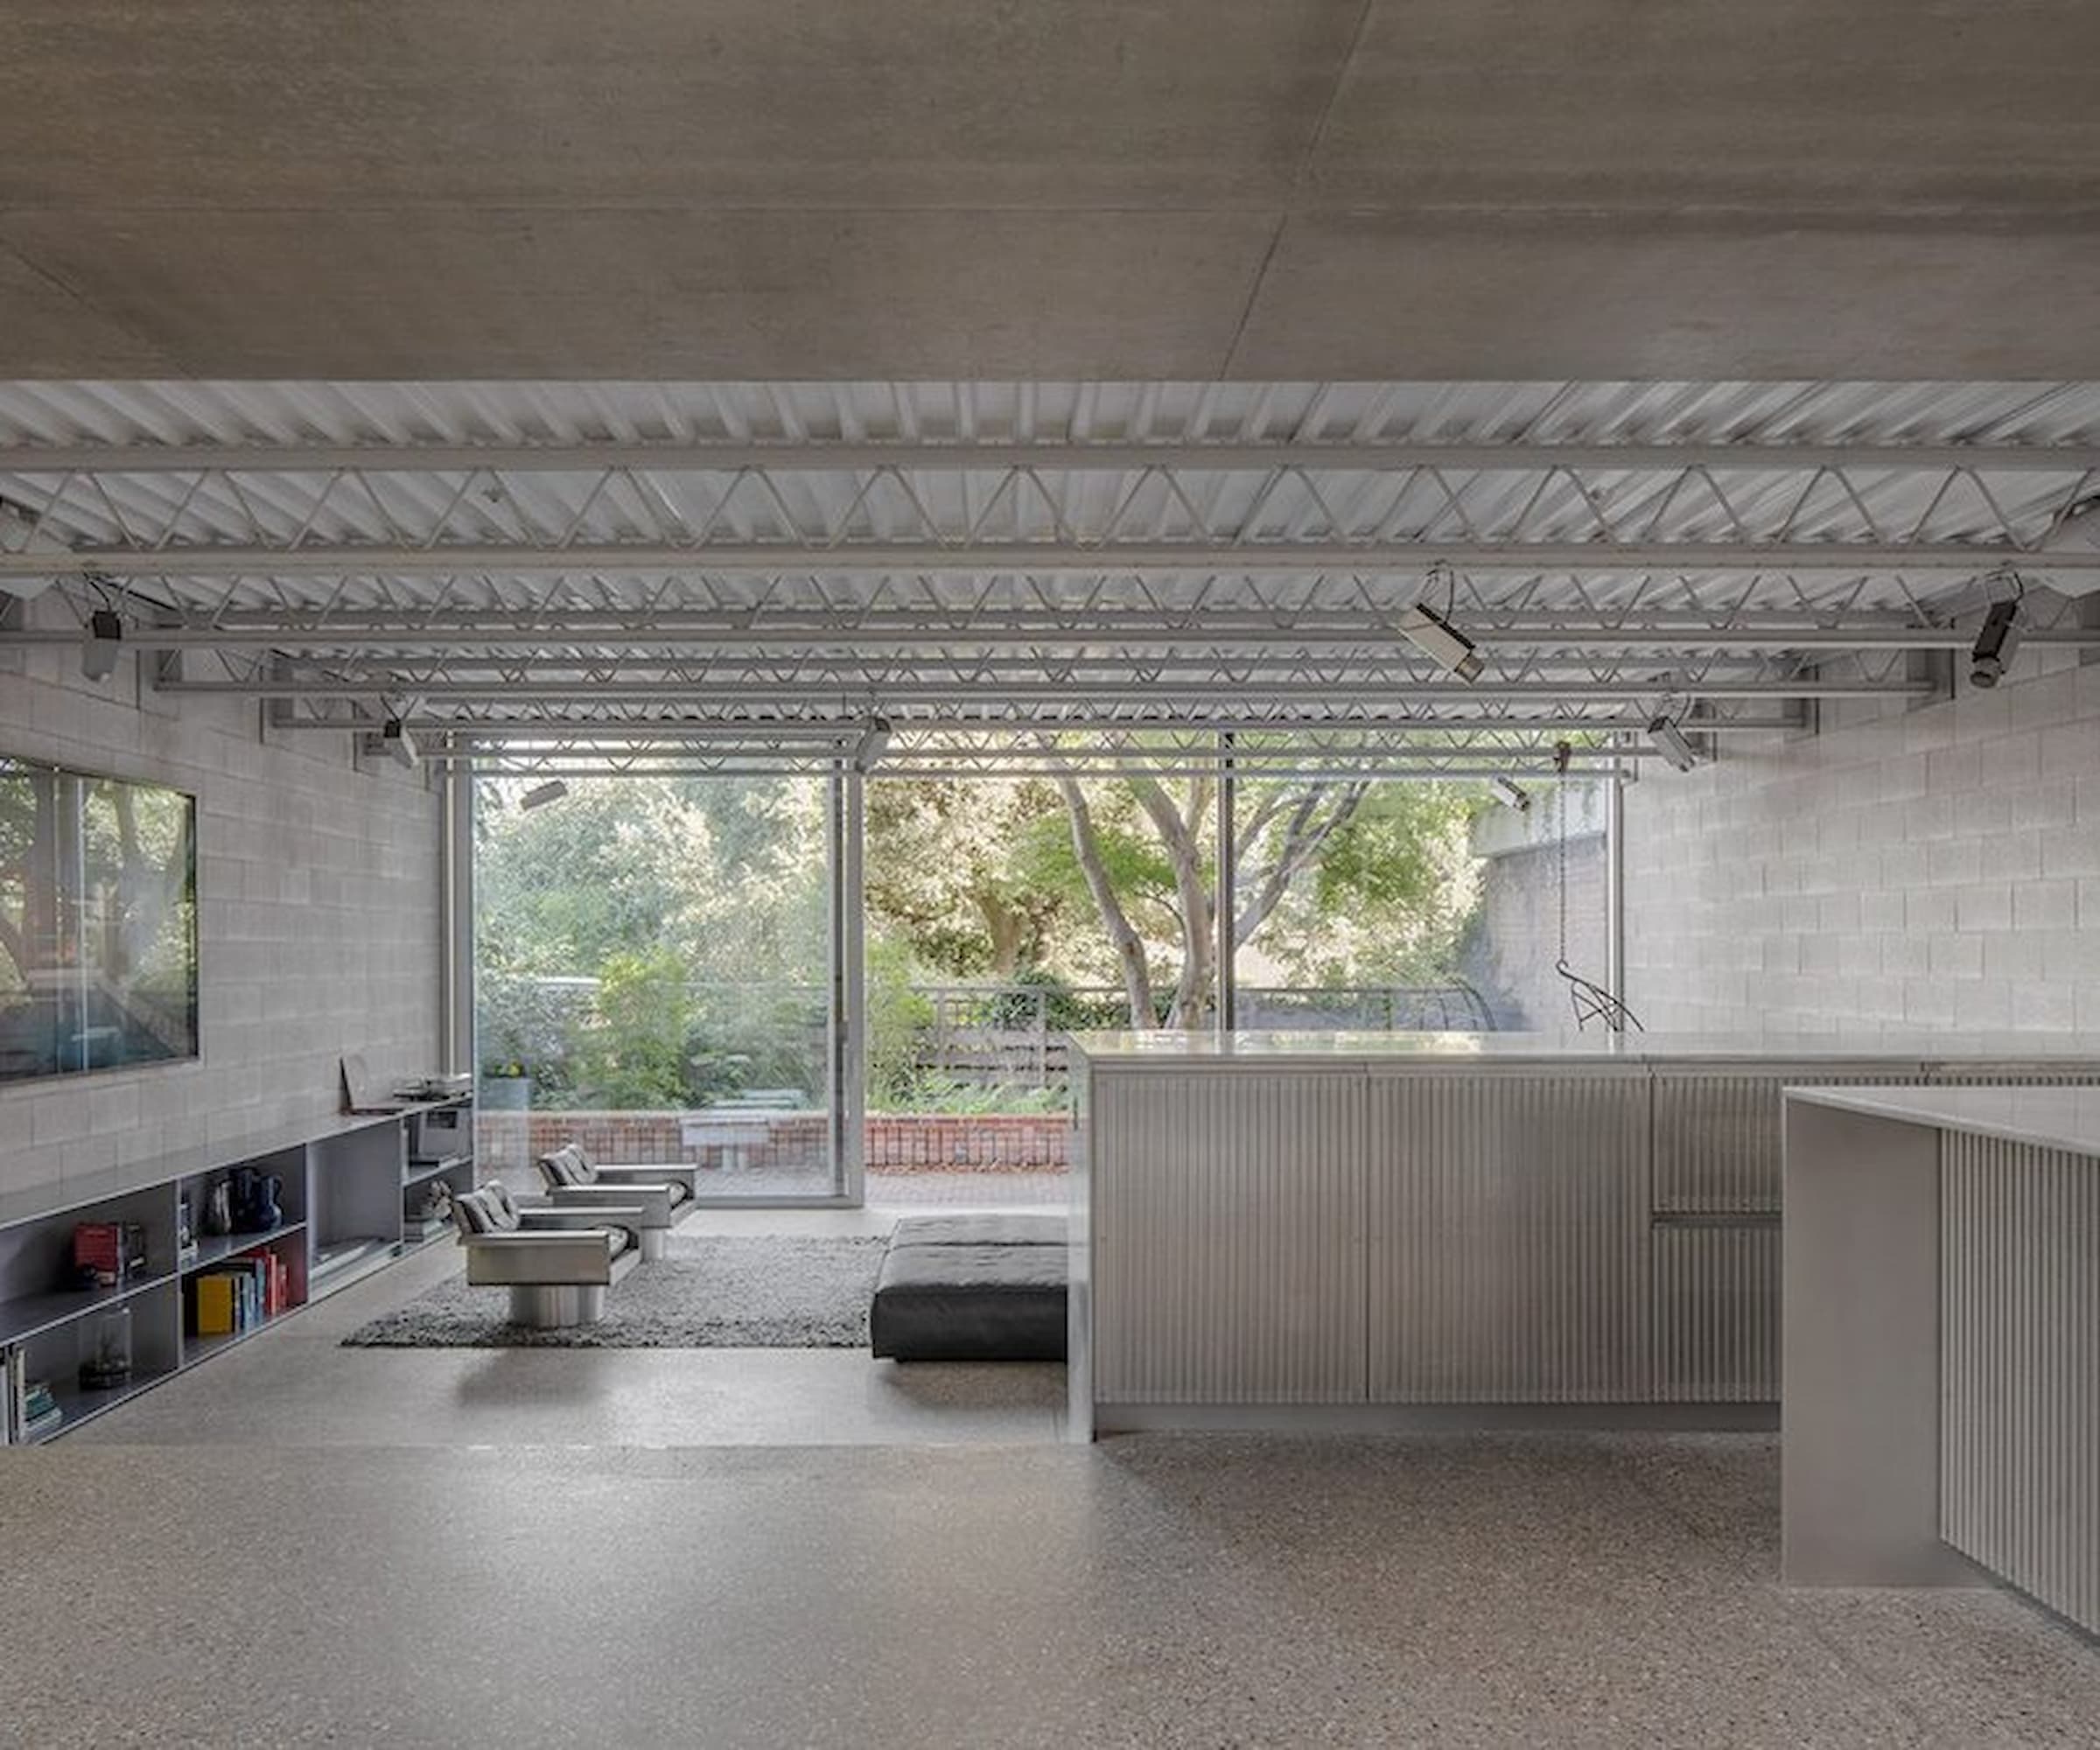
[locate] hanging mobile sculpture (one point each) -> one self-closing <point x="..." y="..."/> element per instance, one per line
<point x="1592" y="1002"/>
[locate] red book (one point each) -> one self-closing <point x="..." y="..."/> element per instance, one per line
<point x="98" y="1248"/>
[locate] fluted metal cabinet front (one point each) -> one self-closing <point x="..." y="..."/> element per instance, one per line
<point x="1718" y="1129"/>
<point x="1716" y="1311"/>
<point x="1228" y="1236"/>
<point x="1508" y="1223"/>
<point x="2019" y="1366"/>
<point x="1716" y="1203"/>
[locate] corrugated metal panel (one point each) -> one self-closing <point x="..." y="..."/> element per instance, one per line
<point x="951" y="503"/>
<point x="290" y="412"/>
<point x="1715" y="1314"/>
<point x="1227" y="1237"/>
<point x="1718" y="1134"/>
<point x="1510" y="1238"/>
<point x="2020" y="1439"/>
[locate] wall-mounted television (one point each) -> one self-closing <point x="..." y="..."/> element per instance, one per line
<point x="98" y="922"/>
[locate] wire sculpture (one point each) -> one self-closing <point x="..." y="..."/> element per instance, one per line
<point x="1591" y="1000"/>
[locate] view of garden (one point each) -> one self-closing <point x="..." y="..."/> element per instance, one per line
<point x="664" y="942"/>
<point x="663" y="945"/>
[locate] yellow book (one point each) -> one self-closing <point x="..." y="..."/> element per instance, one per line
<point x="216" y="1305"/>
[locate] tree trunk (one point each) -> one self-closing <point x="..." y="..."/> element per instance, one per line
<point x="1305" y="836"/>
<point x="1195" y="902"/>
<point x="1006" y="927"/>
<point x="1128" y="944"/>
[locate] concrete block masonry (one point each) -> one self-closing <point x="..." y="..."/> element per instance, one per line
<point x="1929" y="868"/>
<point x="317" y="919"/>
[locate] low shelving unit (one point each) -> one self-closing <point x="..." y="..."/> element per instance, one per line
<point x="348" y="1195"/>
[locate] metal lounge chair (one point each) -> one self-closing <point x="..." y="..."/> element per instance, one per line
<point x="665" y="1194"/>
<point x="556" y="1263"/>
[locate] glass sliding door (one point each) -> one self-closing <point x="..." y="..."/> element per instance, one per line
<point x="1417" y="904"/>
<point x="1354" y="904"/>
<point x="1003" y="911"/>
<point x="656" y="976"/>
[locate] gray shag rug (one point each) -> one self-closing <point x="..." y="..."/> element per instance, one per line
<point x="761" y="1292"/>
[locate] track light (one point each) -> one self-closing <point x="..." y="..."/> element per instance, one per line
<point x="873" y="744"/>
<point x="105" y="640"/>
<point x="397" y="744"/>
<point x="1995" y="645"/>
<point x="1511" y="795"/>
<point x="1442" y="643"/>
<point x="1675" y="746"/>
<point x="540" y="794"/>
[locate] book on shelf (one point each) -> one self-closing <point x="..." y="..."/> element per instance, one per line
<point x="108" y="1254"/>
<point x="38" y="1410"/>
<point x="240" y="1294"/>
<point x="216" y="1298"/>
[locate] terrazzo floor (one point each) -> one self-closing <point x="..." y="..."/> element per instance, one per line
<point x="1156" y="1591"/>
<point x="295" y="1385"/>
<point x="301" y="1544"/>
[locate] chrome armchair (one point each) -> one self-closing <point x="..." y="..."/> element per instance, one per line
<point x="664" y="1192"/>
<point x="557" y="1263"/>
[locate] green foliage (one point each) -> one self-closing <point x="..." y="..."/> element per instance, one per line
<point x="527" y="1026"/>
<point x="1392" y="851"/>
<point x="587" y="907"/>
<point x="1063" y="1009"/>
<point x="951" y="1098"/>
<point x="636" y="1051"/>
<point x="665" y="942"/>
<point x="1138" y="865"/>
<point x="941" y="872"/>
<point x="759" y="1036"/>
<point x="1387" y="900"/>
<point x="897" y="1016"/>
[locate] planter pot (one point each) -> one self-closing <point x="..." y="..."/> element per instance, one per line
<point x="504" y="1094"/>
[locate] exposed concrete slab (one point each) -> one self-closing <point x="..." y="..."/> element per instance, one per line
<point x="664" y="294"/>
<point x="1183" y="103"/>
<point x="1052" y="188"/>
<point x="1785" y="106"/>
<point x="44" y="326"/>
<point x="1376" y="295"/>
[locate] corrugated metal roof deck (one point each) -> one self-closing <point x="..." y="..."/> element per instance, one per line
<point x="553" y="505"/>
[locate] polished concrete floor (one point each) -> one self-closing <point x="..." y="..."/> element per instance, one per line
<point x="294" y="1385"/>
<point x="302" y="1544"/>
<point x="1550" y="1589"/>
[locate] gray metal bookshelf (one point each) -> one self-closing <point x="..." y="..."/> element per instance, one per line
<point x="352" y="1197"/>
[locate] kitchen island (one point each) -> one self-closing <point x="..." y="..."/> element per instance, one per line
<point x="1361" y="1230"/>
<point x="1943" y="1339"/>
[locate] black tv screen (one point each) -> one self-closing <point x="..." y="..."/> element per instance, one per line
<point x="98" y="922"/>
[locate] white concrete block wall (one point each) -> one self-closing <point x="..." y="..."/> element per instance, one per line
<point x="318" y="916"/>
<point x="1936" y="868"/>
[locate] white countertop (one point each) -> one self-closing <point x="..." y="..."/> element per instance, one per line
<point x="2066" y="1118"/>
<point x="1925" y="1050"/>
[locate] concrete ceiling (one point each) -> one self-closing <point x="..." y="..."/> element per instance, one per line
<point x="1050" y="188"/>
